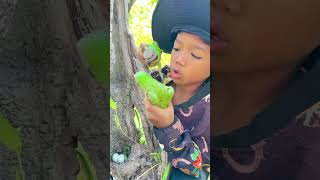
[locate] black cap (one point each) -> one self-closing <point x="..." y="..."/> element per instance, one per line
<point x="173" y="16"/>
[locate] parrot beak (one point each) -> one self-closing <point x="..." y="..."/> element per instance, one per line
<point x="152" y="61"/>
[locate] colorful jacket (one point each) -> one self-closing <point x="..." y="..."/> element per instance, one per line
<point x="186" y="140"/>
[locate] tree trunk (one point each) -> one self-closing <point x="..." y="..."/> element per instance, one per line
<point x="45" y="89"/>
<point x="126" y="94"/>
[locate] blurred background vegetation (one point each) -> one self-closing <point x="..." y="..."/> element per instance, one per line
<point x="140" y="16"/>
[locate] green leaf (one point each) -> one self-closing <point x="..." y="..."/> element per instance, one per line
<point x="138" y="123"/>
<point x="87" y="170"/>
<point x="96" y="51"/>
<point x="142" y="139"/>
<point x="19" y="171"/>
<point x="113" y="104"/>
<point x="156" y="156"/>
<point x="166" y="172"/>
<point x="126" y="150"/>
<point x="10" y="136"/>
<point x="137" y="118"/>
<point x="18" y="175"/>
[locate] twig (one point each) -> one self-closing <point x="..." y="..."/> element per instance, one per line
<point x="126" y="135"/>
<point x="123" y="131"/>
<point x="148" y="170"/>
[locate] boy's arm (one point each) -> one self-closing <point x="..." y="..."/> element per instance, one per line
<point x="188" y="150"/>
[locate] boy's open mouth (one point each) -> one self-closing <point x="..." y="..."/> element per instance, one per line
<point x="175" y="74"/>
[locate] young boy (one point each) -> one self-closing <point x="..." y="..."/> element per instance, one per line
<point x="183" y="28"/>
<point x="266" y="115"/>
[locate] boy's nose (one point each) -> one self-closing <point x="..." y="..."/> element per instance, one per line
<point x="181" y="59"/>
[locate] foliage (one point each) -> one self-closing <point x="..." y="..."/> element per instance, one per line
<point x="166" y="172"/>
<point x="126" y="150"/>
<point x="10" y="137"/>
<point x="138" y="123"/>
<point x="87" y="170"/>
<point x="140" y="24"/>
<point x="156" y="156"/>
<point x="114" y="107"/>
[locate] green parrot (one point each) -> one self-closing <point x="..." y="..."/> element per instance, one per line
<point x="152" y="54"/>
<point x="95" y="49"/>
<point x="158" y="94"/>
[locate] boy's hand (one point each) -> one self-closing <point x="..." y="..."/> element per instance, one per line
<point x="161" y="118"/>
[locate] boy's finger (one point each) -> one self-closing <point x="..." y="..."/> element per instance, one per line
<point x="153" y="108"/>
<point x="146" y="102"/>
<point x="149" y="107"/>
<point x="157" y="109"/>
<point x="150" y="117"/>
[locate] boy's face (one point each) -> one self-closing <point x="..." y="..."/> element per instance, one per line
<point x="264" y="34"/>
<point x="190" y="60"/>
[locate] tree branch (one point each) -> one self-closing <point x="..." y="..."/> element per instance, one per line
<point x="131" y="4"/>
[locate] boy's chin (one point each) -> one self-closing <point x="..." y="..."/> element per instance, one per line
<point x="175" y="81"/>
<point x="184" y="83"/>
<point x="178" y="82"/>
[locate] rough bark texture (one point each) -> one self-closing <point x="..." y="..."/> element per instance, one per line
<point x="125" y="92"/>
<point x="45" y="89"/>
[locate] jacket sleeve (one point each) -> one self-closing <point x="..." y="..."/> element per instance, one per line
<point x="188" y="150"/>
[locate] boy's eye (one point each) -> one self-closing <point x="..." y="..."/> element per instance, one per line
<point x="176" y="49"/>
<point x="197" y="57"/>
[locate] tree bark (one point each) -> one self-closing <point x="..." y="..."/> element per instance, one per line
<point x="45" y="89"/>
<point x="124" y="91"/>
